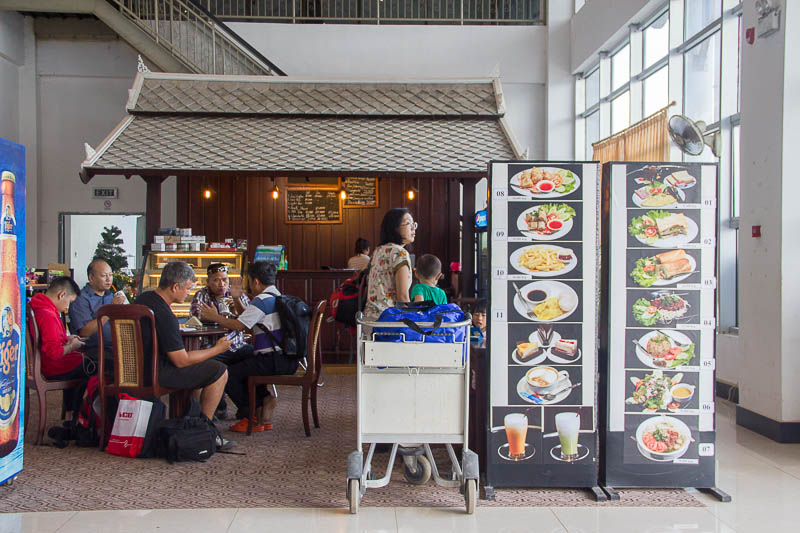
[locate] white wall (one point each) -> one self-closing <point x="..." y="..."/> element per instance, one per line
<point x="85" y="233"/>
<point x="518" y="54"/>
<point x="12" y="55"/>
<point x="603" y="23"/>
<point x="768" y="288"/>
<point x="790" y="218"/>
<point x="82" y="87"/>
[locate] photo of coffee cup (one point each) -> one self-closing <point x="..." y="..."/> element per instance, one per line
<point x="544" y="378"/>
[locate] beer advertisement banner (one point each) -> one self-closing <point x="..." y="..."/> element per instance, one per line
<point x="12" y="311"/>
<point x="659" y="310"/>
<point x="543" y="232"/>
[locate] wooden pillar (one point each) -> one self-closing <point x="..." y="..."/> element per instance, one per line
<point x="468" y="240"/>
<point x="152" y="214"/>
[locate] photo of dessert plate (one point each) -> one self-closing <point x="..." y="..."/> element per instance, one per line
<point x="524" y="392"/>
<point x="530" y="362"/>
<point x="563" y="360"/>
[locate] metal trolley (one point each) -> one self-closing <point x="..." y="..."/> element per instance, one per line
<point x="412" y="392"/>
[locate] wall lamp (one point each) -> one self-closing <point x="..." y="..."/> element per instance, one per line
<point x="412" y="192"/>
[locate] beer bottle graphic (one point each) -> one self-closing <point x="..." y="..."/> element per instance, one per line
<point x="9" y="320"/>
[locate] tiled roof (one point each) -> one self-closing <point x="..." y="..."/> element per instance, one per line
<point x="274" y="144"/>
<point x="257" y="124"/>
<point x="279" y="96"/>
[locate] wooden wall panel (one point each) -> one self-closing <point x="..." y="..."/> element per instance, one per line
<point x="243" y="208"/>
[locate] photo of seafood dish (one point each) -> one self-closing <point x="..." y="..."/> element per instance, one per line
<point x="543" y="260"/>
<point x="545" y="182"/>
<point x="681" y="179"/>
<point x="665" y="268"/>
<point x="546" y="222"/>
<point x="664" y="308"/>
<point x="654" y="392"/>
<point x="662" y="349"/>
<point x="545" y="301"/>
<point x="663" y="438"/>
<point x="663" y="229"/>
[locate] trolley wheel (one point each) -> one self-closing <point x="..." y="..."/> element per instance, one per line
<point x="470" y="494"/>
<point x="353" y="495"/>
<point x="423" y="473"/>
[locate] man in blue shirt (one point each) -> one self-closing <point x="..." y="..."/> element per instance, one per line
<point x="83" y="311"/>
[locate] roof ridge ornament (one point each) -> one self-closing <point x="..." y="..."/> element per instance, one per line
<point x="140" y="66"/>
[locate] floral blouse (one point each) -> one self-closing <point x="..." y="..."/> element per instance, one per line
<point x="381" y="290"/>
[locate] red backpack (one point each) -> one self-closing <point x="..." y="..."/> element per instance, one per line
<point x="347" y="300"/>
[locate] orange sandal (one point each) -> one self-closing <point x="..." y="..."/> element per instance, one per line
<point x="241" y="427"/>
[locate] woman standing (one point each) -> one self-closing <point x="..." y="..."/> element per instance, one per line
<point x="389" y="278"/>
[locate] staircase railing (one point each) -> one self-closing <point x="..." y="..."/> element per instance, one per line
<point x="194" y="37"/>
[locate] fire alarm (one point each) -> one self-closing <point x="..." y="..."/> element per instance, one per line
<point x="750" y="35"/>
<point x="756" y="232"/>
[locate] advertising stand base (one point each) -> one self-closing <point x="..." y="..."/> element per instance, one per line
<point x="657" y="343"/>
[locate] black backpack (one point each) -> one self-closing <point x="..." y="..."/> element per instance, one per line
<point x="348" y="299"/>
<point x="295" y="317"/>
<point x="190" y="438"/>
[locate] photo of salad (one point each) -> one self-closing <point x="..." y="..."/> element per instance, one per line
<point x="665" y="268"/>
<point x="546" y="222"/>
<point x="653" y="392"/>
<point x="664" y="349"/>
<point x="663" y="229"/>
<point x="545" y="182"/>
<point x="663" y="308"/>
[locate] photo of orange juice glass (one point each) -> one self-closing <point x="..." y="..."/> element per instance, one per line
<point x="516" y="425"/>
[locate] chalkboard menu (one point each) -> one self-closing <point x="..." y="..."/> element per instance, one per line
<point x="306" y="205"/>
<point x="361" y="192"/>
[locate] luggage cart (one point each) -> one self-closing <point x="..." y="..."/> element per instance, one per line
<point x="412" y="392"/>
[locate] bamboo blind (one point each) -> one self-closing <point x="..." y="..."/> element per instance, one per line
<point x="647" y="140"/>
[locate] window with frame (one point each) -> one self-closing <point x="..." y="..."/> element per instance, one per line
<point x="621" y="67"/>
<point x="701" y="78"/>
<point x="697" y="14"/>
<point x="655" y="41"/>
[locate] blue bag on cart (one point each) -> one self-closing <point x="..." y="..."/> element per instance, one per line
<point x="415" y="313"/>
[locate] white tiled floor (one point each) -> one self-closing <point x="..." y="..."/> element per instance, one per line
<point x="762" y="476"/>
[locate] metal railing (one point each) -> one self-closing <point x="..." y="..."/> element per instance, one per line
<point x="194" y="37"/>
<point x="459" y="12"/>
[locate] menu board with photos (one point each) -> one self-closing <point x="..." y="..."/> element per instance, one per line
<point x="660" y="315"/>
<point x="543" y="232"/>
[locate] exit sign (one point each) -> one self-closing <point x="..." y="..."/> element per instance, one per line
<point x="104" y="193"/>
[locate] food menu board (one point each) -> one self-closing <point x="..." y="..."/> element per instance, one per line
<point x="313" y="205"/>
<point x="660" y="297"/>
<point x="543" y="231"/>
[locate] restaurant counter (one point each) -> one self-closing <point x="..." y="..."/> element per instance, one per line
<point x="338" y="345"/>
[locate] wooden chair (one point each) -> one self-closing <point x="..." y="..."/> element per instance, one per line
<point x="307" y="379"/>
<point x="36" y="380"/>
<point x="128" y="373"/>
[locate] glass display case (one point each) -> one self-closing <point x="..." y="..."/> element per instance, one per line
<point x="155" y="261"/>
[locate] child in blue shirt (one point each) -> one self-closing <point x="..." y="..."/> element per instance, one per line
<point x="428" y="271"/>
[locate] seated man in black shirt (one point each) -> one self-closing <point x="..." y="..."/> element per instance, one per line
<point x="178" y="368"/>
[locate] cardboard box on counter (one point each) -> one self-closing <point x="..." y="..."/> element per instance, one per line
<point x="158" y="247"/>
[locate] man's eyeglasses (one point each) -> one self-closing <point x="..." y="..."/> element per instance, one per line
<point x="217" y="267"/>
<point x="413" y="225"/>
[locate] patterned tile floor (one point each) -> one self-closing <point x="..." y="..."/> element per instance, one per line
<point x="83" y="490"/>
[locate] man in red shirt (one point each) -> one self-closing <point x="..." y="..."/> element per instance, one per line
<point x="60" y="356"/>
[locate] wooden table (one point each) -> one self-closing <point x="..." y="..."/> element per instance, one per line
<point x="192" y="340"/>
